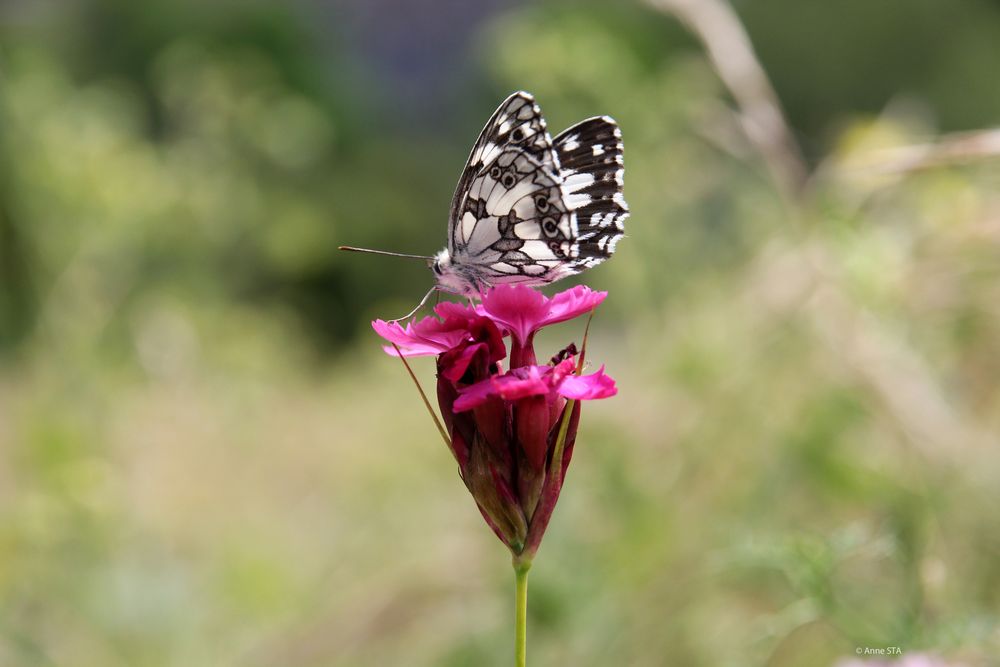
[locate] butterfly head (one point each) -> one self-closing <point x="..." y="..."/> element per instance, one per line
<point x="450" y="276"/>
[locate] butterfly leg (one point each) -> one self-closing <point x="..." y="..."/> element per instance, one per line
<point x="482" y="285"/>
<point x="419" y="306"/>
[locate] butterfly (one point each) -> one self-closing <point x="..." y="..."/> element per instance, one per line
<point x="531" y="209"/>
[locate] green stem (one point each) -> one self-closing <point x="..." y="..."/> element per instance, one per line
<point x="520" y="611"/>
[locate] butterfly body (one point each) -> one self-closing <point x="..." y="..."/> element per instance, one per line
<point x="532" y="210"/>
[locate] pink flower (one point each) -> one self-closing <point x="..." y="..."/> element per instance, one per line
<point x="522" y="311"/>
<point x="504" y="428"/>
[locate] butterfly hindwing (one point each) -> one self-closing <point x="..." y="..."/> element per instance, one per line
<point x="592" y="168"/>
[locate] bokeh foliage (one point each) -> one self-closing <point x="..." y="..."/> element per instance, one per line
<point x="205" y="459"/>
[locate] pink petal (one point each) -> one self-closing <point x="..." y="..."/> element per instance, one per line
<point x="449" y="309"/>
<point x="538" y="381"/>
<point x="460" y="363"/>
<point x="409" y="344"/>
<point x="516" y="385"/>
<point x="571" y="303"/>
<point x="517" y="308"/>
<point x="522" y="310"/>
<point x="588" y="387"/>
<point x="424" y="337"/>
<point x="474" y="395"/>
<point x="562" y="369"/>
<point x="525" y="381"/>
<point x="392" y="332"/>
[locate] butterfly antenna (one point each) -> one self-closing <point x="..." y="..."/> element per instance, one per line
<point x="385" y="252"/>
<point x="419" y="306"/>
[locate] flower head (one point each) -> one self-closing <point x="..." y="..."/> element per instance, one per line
<point x="511" y="432"/>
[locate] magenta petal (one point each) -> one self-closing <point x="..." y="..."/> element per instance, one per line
<point x="474" y="395"/>
<point x="517" y="308"/>
<point x="427" y="336"/>
<point x="562" y="369"/>
<point x="412" y="350"/>
<point x="519" y="383"/>
<point x="404" y="338"/>
<point x="391" y="331"/>
<point x="571" y="303"/>
<point x="538" y="381"/>
<point x="460" y="363"/>
<point x="460" y="311"/>
<point x="522" y="310"/>
<point x="523" y="382"/>
<point x="588" y="387"/>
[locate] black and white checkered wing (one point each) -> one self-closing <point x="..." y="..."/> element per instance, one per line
<point x="592" y="168"/>
<point x="515" y="225"/>
<point x="517" y="125"/>
<point x="523" y="214"/>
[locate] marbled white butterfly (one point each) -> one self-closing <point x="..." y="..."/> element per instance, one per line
<point x="531" y="210"/>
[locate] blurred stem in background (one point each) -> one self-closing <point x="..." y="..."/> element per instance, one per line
<point x="731" y="53"/>
<point x="855" y="331"/>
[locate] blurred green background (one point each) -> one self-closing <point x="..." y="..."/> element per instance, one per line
<point x="205" y="459"/>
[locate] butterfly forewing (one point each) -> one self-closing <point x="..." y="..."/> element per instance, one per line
<point x="516" y="124"/>
<point x="515" y="226"/>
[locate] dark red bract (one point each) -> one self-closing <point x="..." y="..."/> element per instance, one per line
<point x="504" y="426"/>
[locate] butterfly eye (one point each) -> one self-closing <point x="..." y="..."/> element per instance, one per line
<point x="495" y="173"/>
<point x="517" y="134"/>
<point x="508" y="180"/>
<point x="542" y="203"/>
<point x="550" y="227"/>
